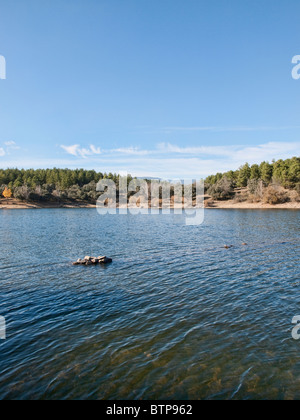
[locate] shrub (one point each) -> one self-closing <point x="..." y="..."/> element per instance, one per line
<point x="297" y="192"/>
<point x="256" y="189"/>
<point x="22" y="193"/>
<point x="275" y="195"/>
<point x="7" y="193"/>
<point x="240" y="198"/>
<point x="209" y="203"/>
<point x="222" y="190"/>
<point x="74" y="193"/>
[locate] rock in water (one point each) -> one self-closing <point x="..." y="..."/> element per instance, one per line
<point x="93" y="261"/>
<point x="106" y="261"/>
<point x="79" y="262"/>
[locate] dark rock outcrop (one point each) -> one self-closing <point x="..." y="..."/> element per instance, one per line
<point x="93" y="261"/>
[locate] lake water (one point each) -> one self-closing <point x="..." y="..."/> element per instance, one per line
<point x="176" y="316"/>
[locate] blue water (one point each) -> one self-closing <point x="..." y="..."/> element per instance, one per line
<point x="176" y="316"/>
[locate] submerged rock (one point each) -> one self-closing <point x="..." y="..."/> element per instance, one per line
<point x="93" y="261"/>
<point x="106" y="261"/>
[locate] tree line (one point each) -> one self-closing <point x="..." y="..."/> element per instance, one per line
<point x="265" y="182"/>
<point x="53" y="184"/>
<point x="284" y="172"/>
<point x="66" y="184"/>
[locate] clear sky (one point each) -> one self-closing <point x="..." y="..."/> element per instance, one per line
<point x="153" y="87"/>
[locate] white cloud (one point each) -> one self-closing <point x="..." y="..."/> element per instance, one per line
<point x="267" y="151"/>
<point x="9" y="146"/>
<point x="233" y="154"/>
<point x="131" y="151"/>
<point x="71" y="150"/>
<point x="167" y="160"/>
<point x="76" y="150"/>
<point x="196" y="150"/>
<point x="95" y="150"/>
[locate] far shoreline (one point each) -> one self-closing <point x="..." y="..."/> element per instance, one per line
<point x="12" y="204"/>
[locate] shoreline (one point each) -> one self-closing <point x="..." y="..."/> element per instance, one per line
<point x="12" y="204"/>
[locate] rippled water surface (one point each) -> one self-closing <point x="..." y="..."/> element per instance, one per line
<point x="176" y="316"/>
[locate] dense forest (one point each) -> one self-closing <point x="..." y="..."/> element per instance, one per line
<point x="53" y="184"/>
<point x="65" y="184"/>
<point x="284" y="172"/>
<point x="268" y="182"/>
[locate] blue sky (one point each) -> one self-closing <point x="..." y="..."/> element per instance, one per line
<point x="152" y="87"/>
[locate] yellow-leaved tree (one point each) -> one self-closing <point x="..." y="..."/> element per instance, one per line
<point x="7" y="193"/>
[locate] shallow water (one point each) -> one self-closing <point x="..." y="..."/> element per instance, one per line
<point x="176" y="316"/>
